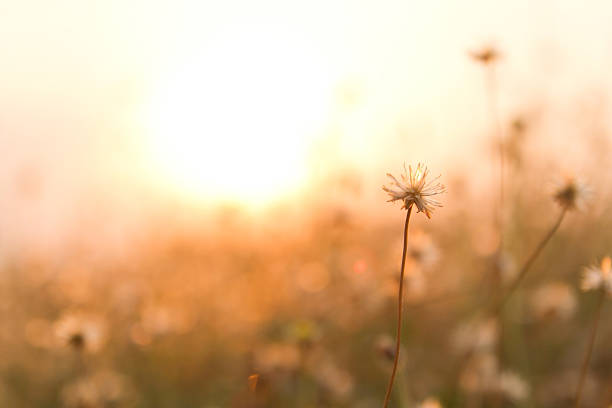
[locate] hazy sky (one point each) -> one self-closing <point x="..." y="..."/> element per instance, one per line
<point x="379" y="82"/>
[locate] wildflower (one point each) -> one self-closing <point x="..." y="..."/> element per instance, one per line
<point x="554" y="300"/>
<point x="80" y="331"/>
<point x="571" y="194"/>
<point x="415" y="189"/>
<point x="595" y="277"/>
<point x="486" y="55"/>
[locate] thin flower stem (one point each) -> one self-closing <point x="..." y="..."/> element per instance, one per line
<point x="587" y="358"/>
<point x="399" y="310"/>
<point x="495" y="117"/>
<point x="514" y="285"/>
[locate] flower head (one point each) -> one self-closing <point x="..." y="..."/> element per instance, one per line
<point x="415" y="189"/>
<point x="485" y="55"/>
<point x="80" y="331"/>
<point x="598" y="276"/>
<point x="571" y="194"/>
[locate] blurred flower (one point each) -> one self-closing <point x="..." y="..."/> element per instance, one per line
<point x="554" y="300"/>
<point x="485" y="55"/>
<point x="415" y="189"/>
<point x="571" y="194"/>
<point x="430" y="403"/>
<point x="595" y="277"/>
<point x="478" y="335"/>
<point x="103" y="389"/>
<point x="482" y="375"/>
<point x="80" y="331"/>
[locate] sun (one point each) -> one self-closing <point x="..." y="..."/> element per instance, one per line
<point x="235" y="119"/>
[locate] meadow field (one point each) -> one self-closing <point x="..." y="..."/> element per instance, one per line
<point x="195" y="206"/>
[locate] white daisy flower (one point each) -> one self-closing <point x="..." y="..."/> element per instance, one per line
<point x="415" y="189"/>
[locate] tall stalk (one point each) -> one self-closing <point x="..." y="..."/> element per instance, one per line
<point x="587" y="357"/>
<point x="491" y="85"/>
<point x="399" y="310"/>
<point x="525" y="268"/>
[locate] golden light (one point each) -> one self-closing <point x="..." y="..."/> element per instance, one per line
<point x="235" y="120"/>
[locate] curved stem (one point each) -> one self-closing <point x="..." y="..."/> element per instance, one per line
<point x="399" y="310"/>
<point x="587" y="358"/>
<point x="514" y="285"/>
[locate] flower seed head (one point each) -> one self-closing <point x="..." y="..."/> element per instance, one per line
<point x="571" y="194"/>
<point x="598" y="276"/>
<point x="486" y="55"/>
<point x="414" y="188"/>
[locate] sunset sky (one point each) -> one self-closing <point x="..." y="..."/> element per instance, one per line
<point x="111" y="106"/>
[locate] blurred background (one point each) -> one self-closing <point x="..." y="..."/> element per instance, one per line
<point x="192" y="213"/>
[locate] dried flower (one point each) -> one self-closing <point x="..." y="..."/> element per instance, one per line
<point x="571" y="194"/>
<point x="486" y="55"/>
<point x="415" y="189"/>
<point x="595" y="277"/>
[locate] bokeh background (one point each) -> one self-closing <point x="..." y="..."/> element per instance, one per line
<point x="190" y="196"/>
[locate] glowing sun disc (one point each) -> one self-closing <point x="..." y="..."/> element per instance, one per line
<point x="236" y="119"/>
